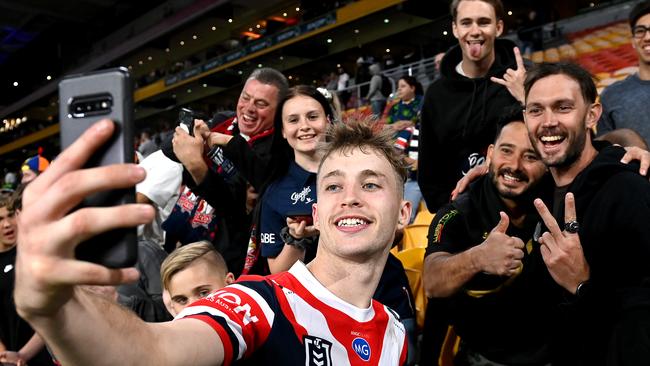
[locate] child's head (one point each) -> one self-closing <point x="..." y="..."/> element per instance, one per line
<point x="191" y="272"/>
<point x="8" y="226"/>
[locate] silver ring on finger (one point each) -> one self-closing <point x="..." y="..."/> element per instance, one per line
<point x="571" y="226"/>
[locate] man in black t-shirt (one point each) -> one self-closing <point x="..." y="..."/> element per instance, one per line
<point x="481" y="256"/>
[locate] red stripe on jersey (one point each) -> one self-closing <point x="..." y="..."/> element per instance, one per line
<point x="248" y="314"/>
<point x="371" y="331"/>
<point x="239" y="307"/>
<point x="228" y="347"/>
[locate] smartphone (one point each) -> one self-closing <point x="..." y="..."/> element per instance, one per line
<point x="301" y="216"/>
<point x="83" y="100"/>
<point x="187" y="116"/>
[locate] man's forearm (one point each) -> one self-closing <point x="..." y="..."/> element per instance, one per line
<point x="198" y="170"/>
<point x="113" y="335"/>
<point x="445" y="273"/>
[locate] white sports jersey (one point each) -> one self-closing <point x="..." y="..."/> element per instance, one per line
<point x="292" y="319"/>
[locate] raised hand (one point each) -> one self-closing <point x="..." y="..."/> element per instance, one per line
<point x="201" y="128"/>
<point x="12" y="358"/>
<point x="46" y="270"/>
<point x="187" y="148"/>
<point x="211" y="138"/>
<point x="299" y="229"/>
<point x="513" y="80"/>
<point x="500" y="254"/>
<point x="562" y="250"/>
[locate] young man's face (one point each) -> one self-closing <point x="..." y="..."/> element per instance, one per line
<point x="476" y="28"/>
<point x="360" y="205"/>
<point x="256" y="107"/>
<point x="195" y="282"/>
<point x="8" y="229"/>
<point x="558" y="119"/>
<point x="641" y="39"/>
<point x="514" y="165"/>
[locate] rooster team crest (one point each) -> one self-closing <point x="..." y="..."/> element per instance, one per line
<point x="317" y="351"/>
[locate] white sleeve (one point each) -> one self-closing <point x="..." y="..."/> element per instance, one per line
<point x="164" y="177"/>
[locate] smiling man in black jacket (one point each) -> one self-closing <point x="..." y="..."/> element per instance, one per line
<point x="461" y="108"/>
<point x="597" y="246"/>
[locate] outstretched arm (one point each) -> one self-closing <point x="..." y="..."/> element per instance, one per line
<point x="80" y="327"/>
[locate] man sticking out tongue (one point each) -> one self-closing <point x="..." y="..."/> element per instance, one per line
<point x="480" y="77"/>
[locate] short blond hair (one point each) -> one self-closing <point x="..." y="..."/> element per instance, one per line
<point x="366" y="134"/>
<point x="184" y="256"/>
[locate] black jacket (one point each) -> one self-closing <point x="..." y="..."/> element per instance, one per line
<point x="610" y="324"/>
<point x="459" y="118"/>
<point x="228" y="196"/>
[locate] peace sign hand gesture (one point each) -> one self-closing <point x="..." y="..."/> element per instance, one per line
<point x="513" y="80"/>
<point x="561" y="250"/>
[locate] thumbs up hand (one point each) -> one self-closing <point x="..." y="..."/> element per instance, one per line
<point x="500" y="254"/>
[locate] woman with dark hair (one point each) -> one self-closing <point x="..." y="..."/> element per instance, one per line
<point x="404" y="113"/>
<point x="283" y="212"/>
<point x="286" y="231"/>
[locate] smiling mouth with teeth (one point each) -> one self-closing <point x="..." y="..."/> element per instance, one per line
<point x="247" y="118"/>
<point x="551" y="140"/>
<point x="351" y="222"/>
<point x="511" y="178"/>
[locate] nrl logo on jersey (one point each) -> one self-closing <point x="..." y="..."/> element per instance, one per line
<point x="318" y="352"/>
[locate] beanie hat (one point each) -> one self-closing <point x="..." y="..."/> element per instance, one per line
<point x="37" y="163"/>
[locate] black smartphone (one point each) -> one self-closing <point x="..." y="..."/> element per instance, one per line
<point x="83" y="100"/>
<point x="301" y="216"/>
<point x="187" y="116"/>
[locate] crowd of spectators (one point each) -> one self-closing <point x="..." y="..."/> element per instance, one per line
<point x="537" y="257"/>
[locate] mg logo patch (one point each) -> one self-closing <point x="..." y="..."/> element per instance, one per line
<point x="361" y="348"/>
<point x="318" y="352"/>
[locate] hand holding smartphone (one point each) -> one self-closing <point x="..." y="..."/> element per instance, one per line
<point x="83" y="100"/>
<point x="301" y="216"/>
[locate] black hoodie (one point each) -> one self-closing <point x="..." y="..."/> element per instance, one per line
<point x="613" y="316"/>
<point x="459" y="118"/>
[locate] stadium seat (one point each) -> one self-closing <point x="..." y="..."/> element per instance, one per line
<point x="423" y="216"/>
<point x="413" y="261"/>
<point x="415" y="235"/>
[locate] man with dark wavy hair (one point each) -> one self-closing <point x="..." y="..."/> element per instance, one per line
<point x="597" y="240"/>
